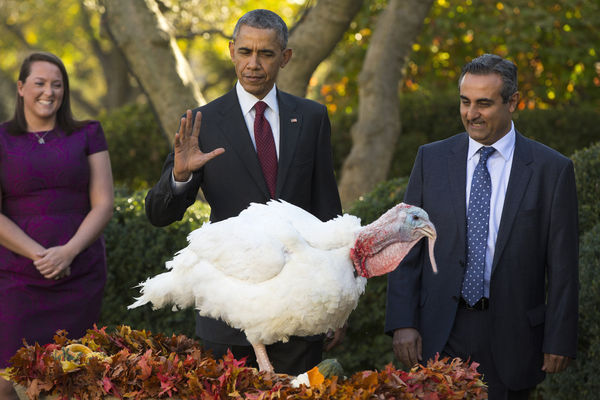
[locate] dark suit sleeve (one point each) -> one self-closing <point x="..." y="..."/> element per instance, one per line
<point x="560" y="331"/>
<point x="403" y="291"/>
<point x="163" y="207"/>
<point x="325" y="200"/>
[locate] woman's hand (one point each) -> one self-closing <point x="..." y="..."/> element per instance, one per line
<point x="55" y="262"/>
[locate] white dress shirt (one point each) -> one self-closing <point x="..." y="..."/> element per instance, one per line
<point x="499" y="165"/>
<point x="247" y="101"/>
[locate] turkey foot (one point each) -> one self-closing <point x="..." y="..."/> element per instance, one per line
<point x="262" y="358"/>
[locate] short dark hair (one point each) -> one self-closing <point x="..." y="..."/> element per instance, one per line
<point x="493" y="64"/>
<point x="263" y="19"/>
<point x="64" y="117"/>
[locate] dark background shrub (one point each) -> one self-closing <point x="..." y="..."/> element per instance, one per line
<point x="587" y="174"/>
<point x="136" y="145"/>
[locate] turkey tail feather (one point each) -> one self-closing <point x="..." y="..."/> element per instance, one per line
<point x="162" y="290"/>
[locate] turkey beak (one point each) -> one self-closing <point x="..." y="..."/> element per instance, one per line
<point x="429" y="230"/>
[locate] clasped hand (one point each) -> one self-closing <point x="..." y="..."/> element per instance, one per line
<point x="54" y="262"/>
<point x="187" y="154"/>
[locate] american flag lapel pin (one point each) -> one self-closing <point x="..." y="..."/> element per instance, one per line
<point x="294" y="120"/>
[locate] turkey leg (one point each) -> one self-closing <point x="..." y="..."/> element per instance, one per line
<point x="262" y="358"/>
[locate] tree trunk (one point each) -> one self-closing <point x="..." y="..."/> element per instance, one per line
<point x="147" y="42"/>
<point x="119" y="90"/>
<point x="375" y="133"/>
<point x="313" y="39"/>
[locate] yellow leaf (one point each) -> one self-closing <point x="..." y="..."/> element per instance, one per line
<point x="69" y="366"/>
<point x="315" y="377"/>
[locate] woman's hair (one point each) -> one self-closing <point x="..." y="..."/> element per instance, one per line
<point x="64" y="117"/>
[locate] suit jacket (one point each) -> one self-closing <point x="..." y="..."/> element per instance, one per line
<point x="233" y="180"/>
<point x="534" y="283"/>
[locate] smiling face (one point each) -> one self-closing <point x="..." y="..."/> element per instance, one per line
<point x="42" y="94"/>
<point x="258" y="56"/>
<point x="485" y="116"/>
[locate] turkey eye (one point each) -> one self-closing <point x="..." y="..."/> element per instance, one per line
<point x="416" y="218"/>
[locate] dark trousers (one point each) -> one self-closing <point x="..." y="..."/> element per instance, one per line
<point x="470" y="339"/>
<point x="295" y="357"/>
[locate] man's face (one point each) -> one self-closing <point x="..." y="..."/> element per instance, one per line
<point x="258" y="56"/>
<point x="485" y="117"/>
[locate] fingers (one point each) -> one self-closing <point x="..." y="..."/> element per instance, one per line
<point x="214" y="153"/>
<point x="53" y="264"/>
<point x="184" y="129"/>
<point x="197" y="124"/>
<point x="554" y="363"/>
<point x="407" y="346"/>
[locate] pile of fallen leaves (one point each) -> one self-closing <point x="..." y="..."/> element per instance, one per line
<point x="130" y="364"/>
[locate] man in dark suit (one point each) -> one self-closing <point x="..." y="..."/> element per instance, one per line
<point x="506" y="295"/>
<point x="236" y="158"/>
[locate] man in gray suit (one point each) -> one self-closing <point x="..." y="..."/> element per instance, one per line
<point x="505" y="210"/>
<point x="253" y="144"/>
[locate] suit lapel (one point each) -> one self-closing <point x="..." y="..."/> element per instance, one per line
<point x="290" y="122"/>
<point x="234" y="129"/>
<point x="457" y="178"/>
<point x="520" y="174"/>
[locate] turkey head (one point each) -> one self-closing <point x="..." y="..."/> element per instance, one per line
<point x="381" y="245"/>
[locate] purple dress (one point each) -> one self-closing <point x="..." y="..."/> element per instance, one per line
<point x="45" y="191"/>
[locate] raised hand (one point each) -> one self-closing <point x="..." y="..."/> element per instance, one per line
<point x="188" y="156"/>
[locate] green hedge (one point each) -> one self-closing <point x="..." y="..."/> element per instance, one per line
<point x="136" y="145"/>
<point x="587" y="174"/>
<point x="137" y="250"/>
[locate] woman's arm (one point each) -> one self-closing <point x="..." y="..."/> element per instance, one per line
<point x="55" y="260"/>
<point x="13" y="238"/>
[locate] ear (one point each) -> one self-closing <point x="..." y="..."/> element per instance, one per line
<point x="513" y="101"/>
<point x="20" y="88"/>
<point x="231" y="50"/>
<point x="287" y="55"/>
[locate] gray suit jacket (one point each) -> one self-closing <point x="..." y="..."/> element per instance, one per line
<point x="234" y="179"/>
<point x="534" y="283"/>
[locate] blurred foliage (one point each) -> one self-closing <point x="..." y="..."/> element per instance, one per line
<point x="554" y="44"/>
<point x="203" y="30"/>
<point x="587" y="175"/>
<point x="136" y="250"/>
<point x="136" y="145"/>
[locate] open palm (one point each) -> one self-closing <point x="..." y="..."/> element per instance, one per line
<point x="188" y="156"/>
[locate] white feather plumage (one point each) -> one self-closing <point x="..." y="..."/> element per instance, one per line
<point x="273" y="271"/>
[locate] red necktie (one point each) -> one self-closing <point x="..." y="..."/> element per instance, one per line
<point x="265" y="147"/>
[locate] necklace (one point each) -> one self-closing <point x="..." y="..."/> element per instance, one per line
<point x="41" y="138"/>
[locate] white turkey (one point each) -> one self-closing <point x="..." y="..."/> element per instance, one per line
<point x="275" y="270"/>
